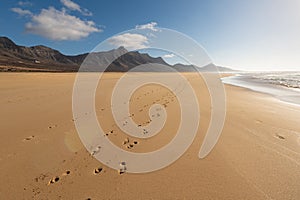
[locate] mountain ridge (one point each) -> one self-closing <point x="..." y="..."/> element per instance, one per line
<point x="14" y="57"/>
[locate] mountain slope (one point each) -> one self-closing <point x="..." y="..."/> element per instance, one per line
<point x="41" y="58"/>
<point x="36" y="57"/>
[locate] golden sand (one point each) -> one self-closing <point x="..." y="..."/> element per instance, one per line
<point x="41" y="155"/>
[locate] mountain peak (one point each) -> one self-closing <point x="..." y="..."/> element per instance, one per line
<point x="122" y="48"/>
<point x="5" y="42"/>
<point x="43" y="58"/>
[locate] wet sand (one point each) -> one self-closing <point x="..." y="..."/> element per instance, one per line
<point x="42" y="157"/>
<point x="285" y="94"/>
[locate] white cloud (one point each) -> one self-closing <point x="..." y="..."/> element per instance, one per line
<point x="169" y="55"/>
<point x="75" y="7"/>
<point x="130" y="41"/>
<point x="59" y="25"/>
<point x="24" y="3"/>
<point x="151" y="26"/>
<point x="71" y="5"/>
<point x="21" y="11"/>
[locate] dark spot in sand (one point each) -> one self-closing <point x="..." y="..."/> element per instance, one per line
<point x="54" y="180"/>
<point x="98" y="170"/>
<point x="126" y="141"/>
<point x="50" y="127"/>
<point x="123" y="168"/>
<point x="29" y="138"/>
<point x="280" y="137"/>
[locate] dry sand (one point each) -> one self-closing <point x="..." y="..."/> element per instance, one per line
<point x="41" y="156"/>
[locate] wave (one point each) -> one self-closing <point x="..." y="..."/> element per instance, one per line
<point x="286" y="79"/>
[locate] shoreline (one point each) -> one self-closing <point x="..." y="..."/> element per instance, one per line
<point x="284" y="94"/>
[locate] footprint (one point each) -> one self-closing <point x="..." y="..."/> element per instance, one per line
<point x="98" y="170"/>
<point x="66" y="173"/>
<point x="40" y="177"/>
<point x="135" y="142"/>
<point x="123" y="168"/>
<point x="53" y="180"/>
<point x="126" y="141"/>
<point x="50" y="127"/>
<point x="97" y="149"/>
<point x="280" y="137"/>
<point x="28" y="138"/>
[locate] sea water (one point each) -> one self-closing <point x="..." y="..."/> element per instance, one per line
<point x="285" y="79"/>
<point x="282" y="85"/>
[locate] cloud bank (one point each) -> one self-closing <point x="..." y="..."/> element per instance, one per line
<point x="151" y="26"/>
<point x="75" y="7"/>
<point x="21" y="11"/>
<point x="59" y="24"/>
<point x="135" y="41"/>
<point x="130" y="41"/>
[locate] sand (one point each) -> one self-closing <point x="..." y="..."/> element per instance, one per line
<point x="42" y="157"/>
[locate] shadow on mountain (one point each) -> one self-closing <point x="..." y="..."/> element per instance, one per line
<point x="44" y="59"/>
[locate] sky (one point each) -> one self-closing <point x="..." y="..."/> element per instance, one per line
<point x="241" y="34"/>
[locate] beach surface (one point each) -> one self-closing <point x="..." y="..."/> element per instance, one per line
<point x="42" y="157"/>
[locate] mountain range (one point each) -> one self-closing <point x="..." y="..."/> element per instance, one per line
<point x="44" y="59"/>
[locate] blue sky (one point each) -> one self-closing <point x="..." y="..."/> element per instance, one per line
<point x="250" y="35"/>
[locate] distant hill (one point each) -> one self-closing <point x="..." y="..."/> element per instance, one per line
<point x="213" y="68"/>
<point x="41" y="58"/>
<point x="207" y="68"/>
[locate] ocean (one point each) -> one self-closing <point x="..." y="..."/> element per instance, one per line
<point x="285" y="79"/>
<point x="283" y="85"/>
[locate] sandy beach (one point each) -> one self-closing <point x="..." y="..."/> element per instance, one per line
<point x="42" y="157"/>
